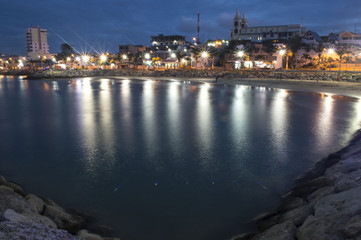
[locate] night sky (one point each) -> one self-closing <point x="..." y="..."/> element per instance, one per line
<point x="103" y="25"/>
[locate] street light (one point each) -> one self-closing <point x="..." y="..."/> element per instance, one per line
<point x="240" y="54"/>
<point x="147" y="56"/>
<point x="124" y="57"/>
<point x="85" y="58"/>
<point x="331" y="51"/>
<point x="103" y="58"/>
<point x="173" y="55"/>
<point x="204" y="54"/>
<point x="282" y="52"/>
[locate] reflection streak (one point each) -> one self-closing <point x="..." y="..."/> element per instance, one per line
<point x="325" y="121"/>
<point x="279" y="124"/>
<point x="205" y="128"/>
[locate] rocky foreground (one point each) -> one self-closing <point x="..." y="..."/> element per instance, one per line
<point x="325" y="203"/>
<point x="192" y="73"/>
<point x="28" y="217"/>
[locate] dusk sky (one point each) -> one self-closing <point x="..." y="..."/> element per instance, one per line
<point x="103" y="25"/>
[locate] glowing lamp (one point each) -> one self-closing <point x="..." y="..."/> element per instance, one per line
<point x="240" y="54"/>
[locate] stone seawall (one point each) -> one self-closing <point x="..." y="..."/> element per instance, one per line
<point x="26" y="216"/>
<point x="246" y="74"/>
<point x="325" y="202"/>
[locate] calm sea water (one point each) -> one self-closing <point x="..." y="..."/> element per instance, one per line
<point x="165" y="160"/>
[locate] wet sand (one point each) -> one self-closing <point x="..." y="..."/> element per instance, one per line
<point x="350" y="89"/>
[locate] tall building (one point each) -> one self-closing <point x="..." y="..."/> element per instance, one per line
<point x="241" y="31"/>
<point x="37" y="43"/>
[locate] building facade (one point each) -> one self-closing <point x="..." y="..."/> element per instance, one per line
<point x="131" y="49"/>
<point x="162" y="42"/>
<point x="37" y="43"/>
<point x="241" y="31"/>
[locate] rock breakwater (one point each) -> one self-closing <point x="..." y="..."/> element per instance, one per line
<point x="192" y="73"/>
<point x="323" y="204"/>
<point x="29" y="217"/>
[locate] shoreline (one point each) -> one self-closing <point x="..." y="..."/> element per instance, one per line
<point x="349" y="89"/>
<point x="324" y="202"/>
<point x="312" y="83"/>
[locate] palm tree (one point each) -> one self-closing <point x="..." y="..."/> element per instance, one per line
<point x="269" y="48"/>
<point x="319" y="50"/>
<point x="341" y="51"/>
<point x="294" y="44"/>
<point x="213" y="53"/>
<point x="347" y="58"/>
<point x="180" y="55"/>
<point x="356" y="60"/>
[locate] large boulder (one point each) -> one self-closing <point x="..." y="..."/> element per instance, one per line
<point x="283" y="231"/>
<point x="63" y="219"/>
<point x="31" y="231"/>
<point x="36" y="202"/>
<point x="12" y="200"/>
<point x="13" y="216"/>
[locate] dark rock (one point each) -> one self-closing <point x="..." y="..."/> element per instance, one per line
<point x="328" y="227"/>
<point x="325" y="191"/>
<point x="347" y="202"/>
<point x="12" y="200"/>
<point x="290" y="204"/>
<point x="352" y="228"/>
<point x="2" y="181"/>
<point x="102" y="230"/>
<point x="63" y="219"/>
<point x="33" y="231"/>
<point x="244" y="236"/>
<point x="283" y="231"/>
<point x="16" y="188"/>
<point x="297" y="216"/>
<point x="36" y="202"/>
<point x="12" y="216"/>
<point x="319" y="169"/>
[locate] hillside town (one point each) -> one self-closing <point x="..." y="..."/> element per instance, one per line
<point x="284" y="47"/>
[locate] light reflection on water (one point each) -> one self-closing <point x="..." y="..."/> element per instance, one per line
<point x="279" y="124"/>
<point x="147" y="157"/>
<point x="204" y="129"/>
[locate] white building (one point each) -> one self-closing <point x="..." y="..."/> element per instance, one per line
<point x="241" y="31"/>
<point x="37" y="43"/>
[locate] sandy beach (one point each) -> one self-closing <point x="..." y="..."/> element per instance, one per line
<point x="351" y="89"/>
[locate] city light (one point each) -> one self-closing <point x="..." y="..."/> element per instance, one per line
<point x="282" y="52"/>
<point x="147" y="56"/>
<point x="103" y="58"/>
<point x="240" y="54"/>
<point x="124" y="57"/>
<point x="204" y="54"/>
<point x="173" y="55"/>
<point x="331" y="51"/>
<point x="77" y="59"/>
<point x="21" y="64"/>
<point x="85" y="58"/>
<point x="68" y="59"/>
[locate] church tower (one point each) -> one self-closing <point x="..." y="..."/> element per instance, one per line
<point x="236" y="26"/>
<point x="244" y="23"/>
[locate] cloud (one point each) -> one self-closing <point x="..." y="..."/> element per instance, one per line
<point x="112" y="22"/>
